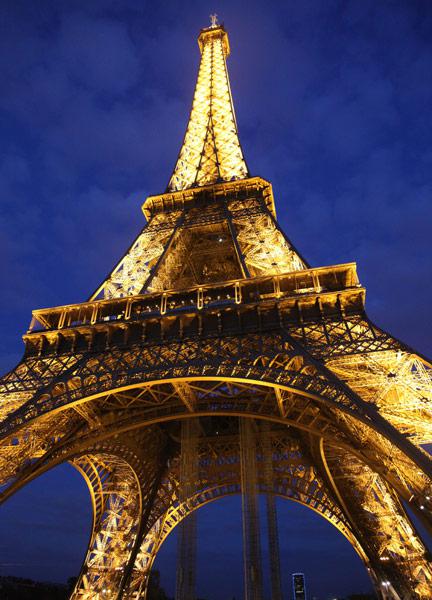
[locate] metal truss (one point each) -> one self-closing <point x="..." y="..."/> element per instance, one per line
<point x="123" y="480"/>
<point x="294" y="478"/>
<point x="263" y="246"/>
<point x="213" y="315"/>
<point x="252" y="358"/>
<point x="211" y="149"/>
<point x="242" y="235"/>
<point x="272" y="358"/>
<point x="133" y="272"/>
<point x="252" y="558"/>
<point x="397" y="382"/>
<point x="187" y="550"/>
<point x="117" y="506"/>
<point x="171" y="253"/>
<point x="272" y="520"/>
<point x="232" y="393"/>
<point x="400" y="559"/>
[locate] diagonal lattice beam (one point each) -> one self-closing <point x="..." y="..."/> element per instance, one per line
<point x="211" y="150"/>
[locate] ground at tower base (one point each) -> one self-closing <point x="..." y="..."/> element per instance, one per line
<point x="17" y="588"/>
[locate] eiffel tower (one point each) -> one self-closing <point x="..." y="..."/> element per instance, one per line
<point x="214" y="360"/>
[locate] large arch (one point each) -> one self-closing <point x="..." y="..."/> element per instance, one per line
<point x="166" y="525"/>
<point x="138" y="405"/>
<point x="293" y="478"/>
<point x="107" y="396"/>
<point x="296" y="479"/>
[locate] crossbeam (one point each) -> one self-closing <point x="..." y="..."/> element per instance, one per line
<point x="215" y="192"/>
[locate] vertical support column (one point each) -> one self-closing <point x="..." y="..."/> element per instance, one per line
<point x="117" y="504"/>
<point x="272" y="523"/>
<point x="233" y="232"/>
<point x="253" y="589"/>
<point x="186" y="547"/>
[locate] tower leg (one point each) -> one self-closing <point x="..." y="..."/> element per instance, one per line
<point x="116" y="498"/>
<point x="250" y="511"/>
<point x="397" y="554"/>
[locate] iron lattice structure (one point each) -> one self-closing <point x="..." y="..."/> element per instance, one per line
<point x="213" y="317"/>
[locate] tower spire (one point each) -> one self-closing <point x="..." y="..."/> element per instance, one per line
<point x="211" y="150"/>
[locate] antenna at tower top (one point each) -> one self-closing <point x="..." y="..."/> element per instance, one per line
<point x="214" y="21"/>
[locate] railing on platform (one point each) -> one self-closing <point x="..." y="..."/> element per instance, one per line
<point x="242" y="291"/>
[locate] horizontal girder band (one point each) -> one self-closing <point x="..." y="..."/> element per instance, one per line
<point x="192" y="197"/>
<point x="295" y="285"/>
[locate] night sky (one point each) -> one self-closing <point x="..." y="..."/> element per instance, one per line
<point x="333" y="102"/>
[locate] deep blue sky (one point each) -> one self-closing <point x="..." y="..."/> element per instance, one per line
<point x="333" y="105"/>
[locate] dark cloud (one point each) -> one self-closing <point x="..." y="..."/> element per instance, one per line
<point x="333" y="104"/>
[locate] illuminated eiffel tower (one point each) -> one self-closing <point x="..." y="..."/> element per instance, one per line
<point x="214" y="360"/>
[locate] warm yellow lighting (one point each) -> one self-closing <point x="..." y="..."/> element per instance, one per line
<point x="213" y="314"/>
<point x="211" y="150"/>
<point x="399" y="383"/>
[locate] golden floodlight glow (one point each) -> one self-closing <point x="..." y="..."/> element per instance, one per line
<point x="213" y="360"/>
<point x="211" y="150"/>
